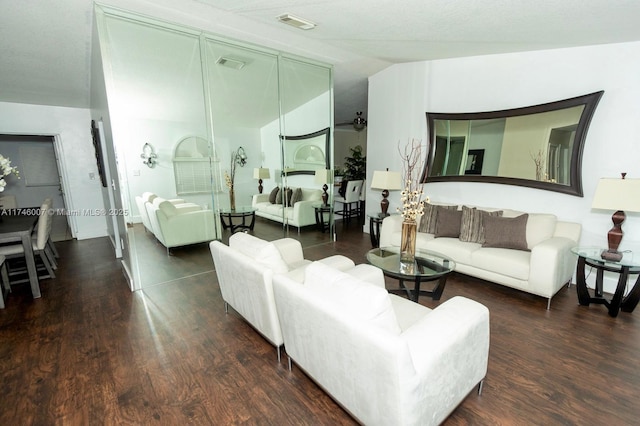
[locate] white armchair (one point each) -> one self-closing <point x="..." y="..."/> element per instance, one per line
<point x="245" y="269"/>
<point x="349" y="205"/>
<point x="385" y="359"/>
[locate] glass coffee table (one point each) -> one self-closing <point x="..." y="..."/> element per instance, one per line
<point x="246" y="214"/>
<point x="426" y="266"/>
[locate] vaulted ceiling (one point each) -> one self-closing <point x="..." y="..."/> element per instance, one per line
<point x="45" y="46"/>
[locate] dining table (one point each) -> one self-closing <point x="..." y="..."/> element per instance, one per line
<point x="18" y="229"/>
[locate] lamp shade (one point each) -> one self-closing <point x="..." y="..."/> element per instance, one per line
<point x="323" y="176"/>
<point x="261" y="173"/>
<point x="391" y="181"/>
<point x="617" y="194"/>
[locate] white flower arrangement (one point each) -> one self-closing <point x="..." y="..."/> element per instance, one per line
<point x="5" y="170"/>
<point x="413" y="193"/>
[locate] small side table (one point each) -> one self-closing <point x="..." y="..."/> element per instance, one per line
<point x="321" y="222"/>
<point x="627" y="266"/>
<point x="240" y="212"/>
<point x="374" y="228"/>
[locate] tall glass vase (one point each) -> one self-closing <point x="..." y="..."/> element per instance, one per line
<point x="232" y="198"/>
<point x="408" y="240"/>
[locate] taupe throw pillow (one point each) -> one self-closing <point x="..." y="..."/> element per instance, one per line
<point x="506" y="232"/>
<point x="297" y="196"/>
<point x="428" y="219"/>
<point x="279" y="196"/>
<point x="287" y="199"/>
<point x="448" y="223"/>
<point x="472" y="224"/>
<point x="273" y="194"/>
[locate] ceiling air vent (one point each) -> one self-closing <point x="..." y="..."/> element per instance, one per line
<point x="294" y="21"/>
<point x="230" y="63"/>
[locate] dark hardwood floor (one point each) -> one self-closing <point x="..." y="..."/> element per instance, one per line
<point x="91" y="352"/>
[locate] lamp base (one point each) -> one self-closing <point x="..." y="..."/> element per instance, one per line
<point x="611" y="255"/>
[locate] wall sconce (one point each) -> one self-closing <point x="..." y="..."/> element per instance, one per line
<point x="240" y="157"/>
<point x="148" y="156"/>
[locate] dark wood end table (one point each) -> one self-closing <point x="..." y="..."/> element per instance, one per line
<point x="245" y="213"/>
<point x="590" y="256"/>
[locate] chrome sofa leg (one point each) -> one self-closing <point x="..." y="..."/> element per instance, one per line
<point x="289" y="358"/>
<point x="226" y="308"/>
<point x="548" y="304"/>
<point x="278" y="350"/>
<point x="480" y="385"/>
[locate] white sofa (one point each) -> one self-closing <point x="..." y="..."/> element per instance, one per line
<point x="180" y="224"/>
<point x="245" y="269"/>
<point x="300" y="214"/>
<point x="385" y="359"/>
<point x="542" y="267"/>
<point x="141" y="203"/>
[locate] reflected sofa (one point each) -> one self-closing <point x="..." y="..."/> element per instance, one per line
<point x="175" y="223"/>
<point x="300" y="211"/>
<point x="385" y="359"/>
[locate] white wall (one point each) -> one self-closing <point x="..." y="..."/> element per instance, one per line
<point x="72" y="127"/>
<point x="400" y="95"/>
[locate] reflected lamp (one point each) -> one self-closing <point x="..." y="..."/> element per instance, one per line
<point x="261" y="173"/>
<point x="323" y="177"/>
<point x="387" y="181"/>
<point x="619" y="195"/>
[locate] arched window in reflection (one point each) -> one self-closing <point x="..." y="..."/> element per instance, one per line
<point x="191" y="166"/>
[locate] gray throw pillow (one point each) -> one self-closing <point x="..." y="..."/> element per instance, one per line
<point x="472" y="224"/>
<point x="448" y="223"/>
<point x="506" y="232"/>
<point x="428" y="219"/>
<point x="273" y="194"/>
<point x="279" y="196"/>
<point x="297" y="196"/>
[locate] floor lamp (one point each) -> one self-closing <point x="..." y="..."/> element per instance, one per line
<point x="618" y="195"/>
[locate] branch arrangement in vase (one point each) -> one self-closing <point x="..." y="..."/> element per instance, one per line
<point x="413" y="193"/>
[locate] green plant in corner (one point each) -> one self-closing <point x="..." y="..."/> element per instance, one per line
<point x="355" y="167"/>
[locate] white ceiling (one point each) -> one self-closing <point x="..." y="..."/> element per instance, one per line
<point x="45" y="45"/>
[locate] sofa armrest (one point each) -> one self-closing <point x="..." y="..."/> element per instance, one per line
<point x="259" y="198"/>
<point x="390" y="225"/>
<point x="303" y="211"/>
<point x="552" y="265"/>
<point x="449" y="347"/>
<point x="290" y="250"/>
<point x="187" y="227"/>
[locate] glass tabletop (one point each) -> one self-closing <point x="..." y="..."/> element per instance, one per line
<point x="238" y="210"/>
<point x="594" y="254"/>
<point x="426" y="264"/>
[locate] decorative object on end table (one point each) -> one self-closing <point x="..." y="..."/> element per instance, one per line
<point x="261" y="173"/>
<point x="387" y="181"/>
<point x="411" y="197"/>
<point x="323" y="177"/>
<point x="6" y="169"/>
<point x="238" y="158"/>
<point x="616" y="194"/>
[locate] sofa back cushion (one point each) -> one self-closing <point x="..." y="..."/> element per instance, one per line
<point x="360" y="299"/>
<point x="309" y="194"/>
<point x="540" y="227"/>
<point x="263" y="252"/>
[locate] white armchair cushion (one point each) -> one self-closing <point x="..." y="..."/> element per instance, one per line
<point x="357" y="298"/>
<point x="264" y="252"/>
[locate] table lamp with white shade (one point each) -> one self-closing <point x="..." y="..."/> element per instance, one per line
<point x="616" y="194"/>
<point x="387" y="181"/>
<point x="261" y="173"/>
<point x="323" y="177"/>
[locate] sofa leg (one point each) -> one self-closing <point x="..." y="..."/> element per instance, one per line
<point x="480" y="387"/>
<point x="226" y="308"/>
<point x="278" y="350"/>
<point x="548" y="304"/>
<point x="289" y="360"/>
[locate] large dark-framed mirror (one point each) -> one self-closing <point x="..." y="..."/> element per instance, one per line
<point x="304" y="154"/>
<point x="538" y="146"/>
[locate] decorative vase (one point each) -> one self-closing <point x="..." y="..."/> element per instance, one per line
<point x="232" y="198"/>
<point x="408" y="240"/>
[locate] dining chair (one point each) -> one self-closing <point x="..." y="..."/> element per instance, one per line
<point x="50" y="249"/>
<point x="349" y="205"/>
<point x="43" y="231"/>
